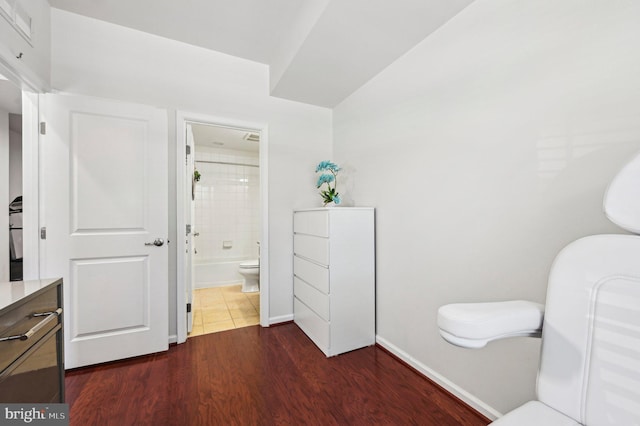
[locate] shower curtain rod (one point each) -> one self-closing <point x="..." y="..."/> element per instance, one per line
<point x="226" y="163"/>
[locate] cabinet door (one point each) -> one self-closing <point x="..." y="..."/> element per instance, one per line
<point x="29" y="21"/>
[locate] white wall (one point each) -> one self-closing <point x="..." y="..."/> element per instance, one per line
<point x="101" y="59"/>
<point x="485" y="150"/>
<point x="4" y="196"/>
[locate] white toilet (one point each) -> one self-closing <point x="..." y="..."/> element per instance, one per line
<point x="250" y="270"/>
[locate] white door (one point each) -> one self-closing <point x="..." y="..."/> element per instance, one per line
<point x="104" y="203"/>
<point x="189" y="206"/>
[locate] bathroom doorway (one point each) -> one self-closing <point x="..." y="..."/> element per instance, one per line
<point x="225" y="227"/>
<point x="224" y="266"/>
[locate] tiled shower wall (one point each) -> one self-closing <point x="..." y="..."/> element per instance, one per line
<point x="227" y="205"/>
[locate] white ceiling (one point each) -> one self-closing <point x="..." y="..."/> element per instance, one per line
<point x="223" y="137"/>
<point x="249" y="29"/>
<point x="319" y="51"/>
<point x="353" y="40"/>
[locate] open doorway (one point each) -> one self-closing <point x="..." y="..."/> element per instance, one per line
<point x="11" y="220"/>
<point x="19" y="176"/>
<point x="222" y="180"/>
<point x="225" y="221"/>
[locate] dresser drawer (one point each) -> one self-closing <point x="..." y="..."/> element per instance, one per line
<point x="311" y="247"/>
<point x="314" y="299"/>
<point x="312" y="223"/>
<point x="316" y="275"/>
<point x="35" y="377"/>
<point x="313" y="326"/>
<point x="20" y="320"/>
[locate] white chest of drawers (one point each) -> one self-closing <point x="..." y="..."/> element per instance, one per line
<point x="334" y="277"/>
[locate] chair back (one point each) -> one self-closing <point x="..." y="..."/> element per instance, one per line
<point x="590" y="360"/>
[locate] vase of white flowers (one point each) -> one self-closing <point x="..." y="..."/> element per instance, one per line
<point x="328" y="176"/>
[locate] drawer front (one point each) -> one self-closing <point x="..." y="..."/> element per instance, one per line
<point x="20" y="320"/>
<point x="317" y="301"/>
<point x="312" y="223"/>
<point x="313" y="326"/>
<point x="36" y="377"/>
<point x="316" y="275"/>
<point x="313" y="248"/>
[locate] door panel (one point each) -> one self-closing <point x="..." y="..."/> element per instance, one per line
<point x="120" y="189"/>
<point x="104" y="200"/>
<point x="113" y="297"/>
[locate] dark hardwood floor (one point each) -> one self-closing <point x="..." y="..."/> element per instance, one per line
<point x="260" y="376"/>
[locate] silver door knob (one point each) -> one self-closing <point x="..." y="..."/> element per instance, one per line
<point x="157" y="242"/>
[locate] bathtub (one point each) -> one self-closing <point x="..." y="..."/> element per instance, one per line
<point x="217" y="273"/>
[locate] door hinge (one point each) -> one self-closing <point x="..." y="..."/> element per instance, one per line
<point x="188" y="149"/>
<point x="188" y="230"/>
<point x="43" y="233"/>
<point x="188" y="307"/>
<point x="43" y="128"/>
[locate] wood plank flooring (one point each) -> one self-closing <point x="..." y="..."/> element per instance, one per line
<point x="260" y="376"/>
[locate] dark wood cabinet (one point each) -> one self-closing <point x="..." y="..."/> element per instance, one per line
<point x="31" y="342"/>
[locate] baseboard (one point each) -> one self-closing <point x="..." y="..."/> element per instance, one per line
<point x="281" y="318"/>
<point x="442" y="381"/>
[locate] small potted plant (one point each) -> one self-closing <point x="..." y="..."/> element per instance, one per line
<point x="196" y="178"/>
<point x="329" y="175"/>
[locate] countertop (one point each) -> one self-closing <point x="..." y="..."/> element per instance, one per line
<point x="15" y="291"/>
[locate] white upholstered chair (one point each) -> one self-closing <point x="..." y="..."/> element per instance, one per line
<point x="589" y="370"/>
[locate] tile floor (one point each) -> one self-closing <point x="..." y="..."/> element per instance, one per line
<point x="223" y="308"/>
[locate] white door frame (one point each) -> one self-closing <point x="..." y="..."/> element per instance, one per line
<point x="182" y="118"/>
<point x="32" y="203"/>
<point x="30" y="168"/>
